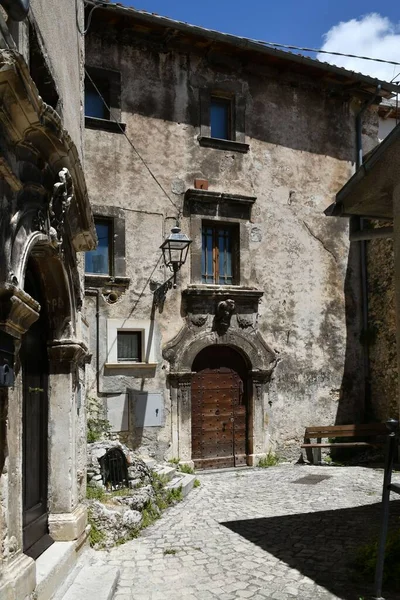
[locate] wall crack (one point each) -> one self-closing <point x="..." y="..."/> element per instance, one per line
<point x="320" y="241"/>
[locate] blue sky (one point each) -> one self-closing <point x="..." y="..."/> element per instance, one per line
<point x="293" y="21"/>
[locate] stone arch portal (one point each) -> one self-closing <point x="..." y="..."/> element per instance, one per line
<point x="187" y="355"/>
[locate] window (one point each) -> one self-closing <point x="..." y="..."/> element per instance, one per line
<point x="94" y="105"/>
<point x="103" y="105"/>
<point x="219" y="262"/>
<point x="99" y="260"/>
<point x="220" y="118"/>
<point x="129" y="346"/>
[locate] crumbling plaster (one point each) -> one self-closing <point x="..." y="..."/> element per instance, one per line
<point x="301" y="151"/>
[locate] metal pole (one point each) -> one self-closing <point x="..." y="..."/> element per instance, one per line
<point x="392" y="425"/>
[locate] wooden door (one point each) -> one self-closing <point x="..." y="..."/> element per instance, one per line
<point x="35" y="431"/>
<point x="218" y="419"/>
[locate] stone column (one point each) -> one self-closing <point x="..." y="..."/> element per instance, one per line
<point x="396" y="246"/>
<point x="67" y="518"/>
<point x="182" y="383"/>
<point x="257" y="411"/>
<point x="18" y="572"/>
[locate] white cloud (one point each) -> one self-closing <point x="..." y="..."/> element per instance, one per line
<point x="370" y="35"/>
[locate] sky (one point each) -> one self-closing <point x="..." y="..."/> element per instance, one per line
<point x="368" y="28"/>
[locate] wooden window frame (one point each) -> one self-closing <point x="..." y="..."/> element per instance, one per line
<point x="141" y="336"/>
<point x="233" y="228"/>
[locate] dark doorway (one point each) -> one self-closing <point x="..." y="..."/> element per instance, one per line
<point x="34" y="362"/>
<point x="219" y="408"/>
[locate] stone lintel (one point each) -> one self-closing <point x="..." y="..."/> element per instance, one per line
<point x="67" y="351"/>
<point x="17" y="310"/>
<point x="212" y="196"/>
<point x="223" y="291"/>
<point x="66" y="527"/>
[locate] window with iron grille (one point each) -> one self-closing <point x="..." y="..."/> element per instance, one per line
<point x="129" y="346"/>
<point x="220" y="254"/>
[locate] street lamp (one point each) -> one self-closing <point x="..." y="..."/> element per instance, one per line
<point x="175" y="249"/>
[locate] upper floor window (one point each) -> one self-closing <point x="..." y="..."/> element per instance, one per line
<point x="97" y="99"/>
<point x="103" y="100"/>
<point x="99" y="260"/>
<point x="221" y="118"/>
<point x="129" y="346"/>
<point x="219" y="260"/>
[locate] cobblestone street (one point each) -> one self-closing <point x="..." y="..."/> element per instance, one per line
<point x="262" y="534"/>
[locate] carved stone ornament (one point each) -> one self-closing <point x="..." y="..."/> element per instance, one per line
<point x="59" y="205"/>
<point x="223" y="314"/>
<point x="198" y="320"/>
<point x="244" y="321"/>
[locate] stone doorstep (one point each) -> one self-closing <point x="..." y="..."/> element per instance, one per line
<point x="184" y="480"/>
<point x="94" y="582"/>
<point x="52" y="568"/>
<point x="149" y="462"/>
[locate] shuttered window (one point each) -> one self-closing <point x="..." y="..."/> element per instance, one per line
<point x="220" y="255"/>
<point x="99" y="260"/>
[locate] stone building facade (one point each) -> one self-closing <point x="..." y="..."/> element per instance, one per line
<point x="237" y="360"/>
<point x="45" y="222"/>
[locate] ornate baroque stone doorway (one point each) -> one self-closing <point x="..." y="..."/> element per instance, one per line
<point x="219" y="408"/>
<point x="219" y="321"/>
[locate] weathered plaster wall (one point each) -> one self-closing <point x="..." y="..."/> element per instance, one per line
<point x="301" y="152"/>
<point x="61" y="39"/>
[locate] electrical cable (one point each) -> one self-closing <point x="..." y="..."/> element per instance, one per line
<point x="133" y="146"/>
<point x="89" y="19"/>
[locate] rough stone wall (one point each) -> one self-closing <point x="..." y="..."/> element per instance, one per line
<point x="301" y="152"/>
<point x="381" y="335"/>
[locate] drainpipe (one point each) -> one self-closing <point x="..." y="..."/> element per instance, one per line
<point x="95" y="292"/>
<point x="363" y="247"/>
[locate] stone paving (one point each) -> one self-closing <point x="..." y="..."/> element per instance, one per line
<point x="259" y="534"/>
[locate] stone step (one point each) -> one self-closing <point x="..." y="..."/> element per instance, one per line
<point x="149" y="462"/>
<point x="52" y="568"/>
<point x="94" y="582"/>
<point x="183" y="480"/>
<point x="166" y="471"/>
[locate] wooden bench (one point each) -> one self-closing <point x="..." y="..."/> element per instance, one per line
<point x="373" y="431"/>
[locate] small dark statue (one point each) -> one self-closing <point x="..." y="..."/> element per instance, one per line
<point x="223" y="314"/>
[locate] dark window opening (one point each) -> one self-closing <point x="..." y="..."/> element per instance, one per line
<point x="99" y="260"/>
<point x="129" y="346"/>
<point x="220" y="253"/>
<point x="97" y="101"/>
<point x="114" y="470"/>
<point x="40" y="71"/>
<point x="221" y="118"/>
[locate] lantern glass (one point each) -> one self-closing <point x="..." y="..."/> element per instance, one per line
<point x="175" y="249"/>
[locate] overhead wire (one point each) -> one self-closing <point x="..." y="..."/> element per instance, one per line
<point x="133" y="145"/>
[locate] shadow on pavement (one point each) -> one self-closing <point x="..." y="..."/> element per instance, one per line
<point x="321" y="545"/>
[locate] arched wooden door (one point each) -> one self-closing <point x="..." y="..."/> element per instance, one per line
<point x="34" y="362"/>
<point x="219" y="420"/>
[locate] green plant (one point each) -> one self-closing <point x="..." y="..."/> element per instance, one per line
<point x="268" y="461"/>
<point x="96" y="429"/>
<point x="365" y="561"/>
<point x="93" y="492"/>
<point x="186" y="469"/>
<point x="149" y="514"/>
<point x="96" y="536"/>
<point x="174" y="495"/>
<point x="174" y="461"/>
<point x="196" y="483"/>
<point x="170" y="551"/>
